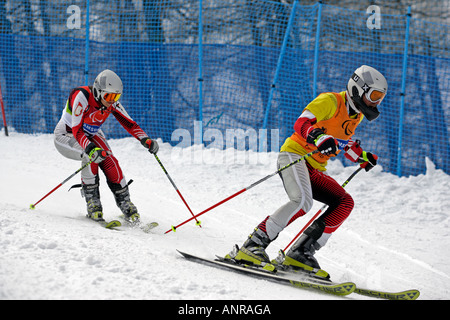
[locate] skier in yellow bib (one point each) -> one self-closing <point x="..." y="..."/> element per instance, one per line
<point x="326" y="124"/>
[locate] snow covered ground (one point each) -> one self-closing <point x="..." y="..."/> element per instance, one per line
<point x="397" y="237"/>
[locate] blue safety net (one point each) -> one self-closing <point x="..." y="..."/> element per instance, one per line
<point x="227" y="72"/>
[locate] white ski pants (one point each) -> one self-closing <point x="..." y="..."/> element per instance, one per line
<point x="297" y="184"/>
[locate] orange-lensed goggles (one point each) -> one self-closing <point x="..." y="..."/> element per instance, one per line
<point x="111" y="97"/>
<point x="375" y="95"/>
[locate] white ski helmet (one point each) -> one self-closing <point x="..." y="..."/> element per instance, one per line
<point x="108" y="86"/>
<point x="369" y="82"/>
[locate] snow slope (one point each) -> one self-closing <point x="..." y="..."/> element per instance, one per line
<point x="397" y="237"/>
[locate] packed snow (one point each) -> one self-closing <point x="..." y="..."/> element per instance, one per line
<point x="397" y="237"/>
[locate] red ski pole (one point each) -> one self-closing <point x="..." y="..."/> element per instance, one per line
<point x="176" y="189"/>
<point x="3" y="113"/>
<point x="32" y="206"/>
<point x="320" y="210"/>
<point x="174" y="228"/>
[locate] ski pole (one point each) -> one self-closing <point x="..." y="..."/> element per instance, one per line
<point x="176" y="189"/>
<point x="321" y="209"/>
<point x="32" y="206"/>
<point x="174" y="228"/>
<point x="3" y="112"/>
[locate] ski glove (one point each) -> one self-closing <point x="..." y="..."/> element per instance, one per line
<point x="95" y="153"/>
<point x="325" y="143"/>
<point x="355" y="153"/>
<point x="150" y="144"/>
<point x="369" y="160"/>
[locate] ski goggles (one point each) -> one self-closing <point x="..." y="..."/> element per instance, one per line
<point x="375" y="95"/>
<point x="372" y="94"/>
<point x="111" y="97"/>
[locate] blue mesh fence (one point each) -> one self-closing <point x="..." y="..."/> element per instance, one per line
<point x="240" y="66"/>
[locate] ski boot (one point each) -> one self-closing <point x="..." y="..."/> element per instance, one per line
<point x="300" y="256"/>
<point x="253" y="251"/>
<point x="94" y="207"/>
<point x="122" y="197"/>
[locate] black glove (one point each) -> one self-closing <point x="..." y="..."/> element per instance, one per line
<point x="355" y="153"/>
<point x="326" y="144"/>
<point x="368" y="160"/>
<point x="95" y="153"/>
<point x="150" y="144"/>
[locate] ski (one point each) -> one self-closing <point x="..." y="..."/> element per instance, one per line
<point x="411" y="294"/>
<point x="145" y="227"/>
<point x="274" y="269"/>
<point x="340" y="289"/>
<point x="300" y="278"/>
<point x="113" y="224"/>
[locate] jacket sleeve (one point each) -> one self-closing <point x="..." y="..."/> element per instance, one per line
<point x="304" y="124"/>
<point x="321" y="108"/>
<point x="79" y="107"/>
<point x="129" y="124"/>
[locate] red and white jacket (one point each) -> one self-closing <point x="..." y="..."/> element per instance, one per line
<point x="83" y="117"/>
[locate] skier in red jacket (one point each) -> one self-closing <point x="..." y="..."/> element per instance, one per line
<point x="78" y="136"/>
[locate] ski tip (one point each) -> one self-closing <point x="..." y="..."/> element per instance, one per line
<point x="414" y="294"/>
<point x="183" y="253"/>
<point x="404" y="295"/>
<point x="32" y="206"/>
<point x="408" y="295"/>
<point x="149" y="226"/>
<point x="113" y="224"/>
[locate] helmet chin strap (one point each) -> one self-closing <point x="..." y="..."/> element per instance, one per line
<point x="98" y="98"/>
<point x="102" y="107"/>
<point x="369" y="112"/>
<point x="351" y="108"/>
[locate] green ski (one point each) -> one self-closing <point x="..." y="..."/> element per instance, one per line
<point x="145" y="227"/>
<point x="340" y="289"/>
<point x="404" y="295"/>
<point x="109" y="224"/>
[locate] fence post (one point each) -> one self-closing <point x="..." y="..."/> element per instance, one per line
<point x="86" y="53"/>
<point x="277" y="72"/>
<point x="402" y="95"/>
<point x="200" y="72"/>
<point x="316" y="50"/>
